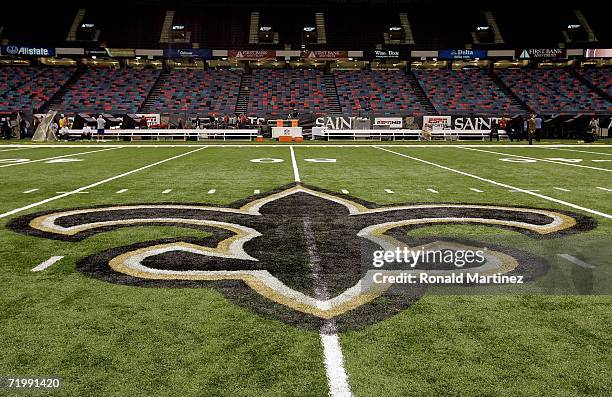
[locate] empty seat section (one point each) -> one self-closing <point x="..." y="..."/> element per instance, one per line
<point x="199" y="91"/>
<point x="601" y="78"/>
<point x="383" y="92"/>
<point x="278" y="92"/>
<point x="553" y="91"/>
<point x="23" y="88"/>
<point x="109" y="90"/>
<point x="465" y="91"/>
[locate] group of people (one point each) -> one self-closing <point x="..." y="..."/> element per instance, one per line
<point x="529" y="127"/>
<point x="62" y="126"/>
<point x="17" y="128"/>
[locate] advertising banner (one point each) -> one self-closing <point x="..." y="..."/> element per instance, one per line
<point x="336" y="122"/>
<point x="437" y="122"/>
<point x="324" y="55"/>
<point x="598" y="53"/>
<point x="152" y="118"/>
<point x="462" y="54"/>
<point x="201" y="53"/>
<point x="252" y="54"/>
<point x="27" y="51"/>
<point x="541" y="53"/>
<point x="99" y="52"/>
<point x="386" y="54"/>
<point x="392" y="122"/>
<point x="473" y="123"/>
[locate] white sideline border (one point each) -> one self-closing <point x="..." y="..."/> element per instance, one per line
<point x="542" y="196"/>
<point x="323" y="145"/>
<point x="84" y="188"/>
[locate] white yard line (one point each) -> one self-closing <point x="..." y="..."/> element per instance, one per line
<point x="84" y="188"/>
<point x="212" y="191"/>
<point x="121" y="191"/>
<point x="296" y="173"/>
<point x="47" y="263"/>
<point x="57" y="157"/>
<point x="432" y="190"/>
<point x="579" y="151"/>
<point x="576" y="261"/>
<point x="166" y="191"/>
<point x="604" y="189"/>
<point x="476" y="190"/>
<point x="30" y="191"/>
<point x="337" y="378"/>
<point x="389" y="191"/>
<point x="334" y="366"/>
<point x="538" y="159"/>
<point x="544" y="197"/>
<point x="562" y="189"/>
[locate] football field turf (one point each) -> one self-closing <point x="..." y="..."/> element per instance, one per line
<point x="109" y="334"/>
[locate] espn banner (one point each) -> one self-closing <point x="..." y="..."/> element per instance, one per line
<point x="252" y="54"/>
<point x="437" y="122"/>
<point x="324" y="55"/>
<point x="541" y="53"/>
<point x="474" y="123"/>
<point x="392" y="122"/>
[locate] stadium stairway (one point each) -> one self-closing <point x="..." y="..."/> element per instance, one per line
<point x="513" y="97"/>
<point x="592" y="86"/>
<point x="420" y="93"/>
<point x="155" y="92"/>
<point x="332" y="93"/>
<point x="56" y="99"/>
<point x="244" y="94"/>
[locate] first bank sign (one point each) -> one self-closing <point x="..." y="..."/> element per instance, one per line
<point x="26" y="50"/>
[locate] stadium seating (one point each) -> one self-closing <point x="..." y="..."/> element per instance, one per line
<point x="385" y="92"/>
<point x="464" y="92"/>
<point x="23" y="88"/>
<point x="553" y="91"/>
<point x="601" y="78"/>
<point x="278" y="92"/>
<point x="210" y="91"/>
<point x="109" y="90"/>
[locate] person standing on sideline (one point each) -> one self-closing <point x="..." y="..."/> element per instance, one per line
<point x="504" y="125"/>
<point x="100" y="124"/>
<point x="538" y="126"/>
<point x="494" y="131"/>
<point x="531" y="128"/>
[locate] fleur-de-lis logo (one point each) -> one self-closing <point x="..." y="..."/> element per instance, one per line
<point x="295" y="253"/>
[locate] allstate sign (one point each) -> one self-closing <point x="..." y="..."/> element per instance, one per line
<point x="17" y="50"/>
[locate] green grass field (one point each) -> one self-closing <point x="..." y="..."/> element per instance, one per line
<point x="552" y="336"/>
